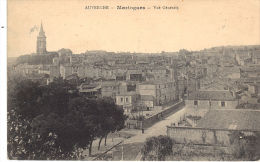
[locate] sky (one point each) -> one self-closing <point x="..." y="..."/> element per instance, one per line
<point x="197" y="24"/>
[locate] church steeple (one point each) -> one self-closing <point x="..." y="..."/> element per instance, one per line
<point x="41" y="33"/>
<point x="41" y="42"/>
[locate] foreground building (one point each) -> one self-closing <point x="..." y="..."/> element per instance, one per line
<point x="222" y="99"/>
<point x="216" y="127"/>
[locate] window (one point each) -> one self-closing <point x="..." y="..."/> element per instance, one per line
<point x="223" y="104"/>
<point x="122" y="99"/>
<point x="126" y="99"/>
<point x="196" y="103"/>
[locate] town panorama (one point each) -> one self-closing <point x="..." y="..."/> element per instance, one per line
<point x="99" y="105"/>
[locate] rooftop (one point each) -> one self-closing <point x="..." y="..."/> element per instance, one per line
<point x="231" y="119"/>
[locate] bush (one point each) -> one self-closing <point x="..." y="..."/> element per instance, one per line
<point x="157" y="148"/>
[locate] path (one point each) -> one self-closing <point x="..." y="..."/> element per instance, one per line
<point x="158" y="128"/>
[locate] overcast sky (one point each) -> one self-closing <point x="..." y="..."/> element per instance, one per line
<point x="196" y="25"/>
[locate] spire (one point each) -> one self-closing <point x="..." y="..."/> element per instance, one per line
<point x="41" y="33"/>
<point x="41" y="30"/>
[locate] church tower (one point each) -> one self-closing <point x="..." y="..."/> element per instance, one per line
<point x="41" y="42"/>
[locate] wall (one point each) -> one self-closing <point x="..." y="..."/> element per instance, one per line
<point x="147" y="90"/>
<point x="163" y="114"/>
<point x="201" y="135"/>
<point x="157" y="117"/>
<point x="205" y="104"/>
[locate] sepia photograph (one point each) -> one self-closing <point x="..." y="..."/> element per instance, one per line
<point x="133" y="80"/>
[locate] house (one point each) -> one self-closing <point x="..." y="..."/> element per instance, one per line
<point x="127" y="100"/>
<point x="147" y="101"/>
<point x="44" y="69"/>
<point x="250" y="72"/>
<point x="65" y="70"/>
<point x="243" y="58"/>
<point x="162" y="92"/>
<point x="254" y="89"/>
<point x="256" y="57"/>
<point x="54" y="71"/>
<point x="72" y="79"/>
<point x="108" y="89"/>
<point x="212" y="99"/>
<point x="90" y="90"/>
<point x="134" y="75"/>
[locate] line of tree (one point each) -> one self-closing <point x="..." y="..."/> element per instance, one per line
<point x="52" y="122"/>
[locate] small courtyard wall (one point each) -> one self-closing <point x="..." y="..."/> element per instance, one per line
<point x="202" y="135"/>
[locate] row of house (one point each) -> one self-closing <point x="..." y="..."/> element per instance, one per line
<point x="133" y="94"/>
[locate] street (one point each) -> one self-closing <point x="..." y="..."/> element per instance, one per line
<point x="158" y="128"/>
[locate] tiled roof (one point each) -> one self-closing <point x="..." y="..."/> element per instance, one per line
<point x="231" y="119"/>
<point x="212" y="95"/>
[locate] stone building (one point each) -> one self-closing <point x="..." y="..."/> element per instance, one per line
<point x="222" y="99"/>
<point x="159" y="92"/>
<point x="127" y="99"/>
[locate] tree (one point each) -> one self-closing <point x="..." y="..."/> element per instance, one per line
<point x="53" y="122"/>
<point x="102" y="117"/>
<point x="90" y="114"/>
<point x="39" y="123"/>
<point x="112" y="118"/>
<point x="245" y="146"/>
<point x="24" y="99"/>
<point x="157" y="148"/>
